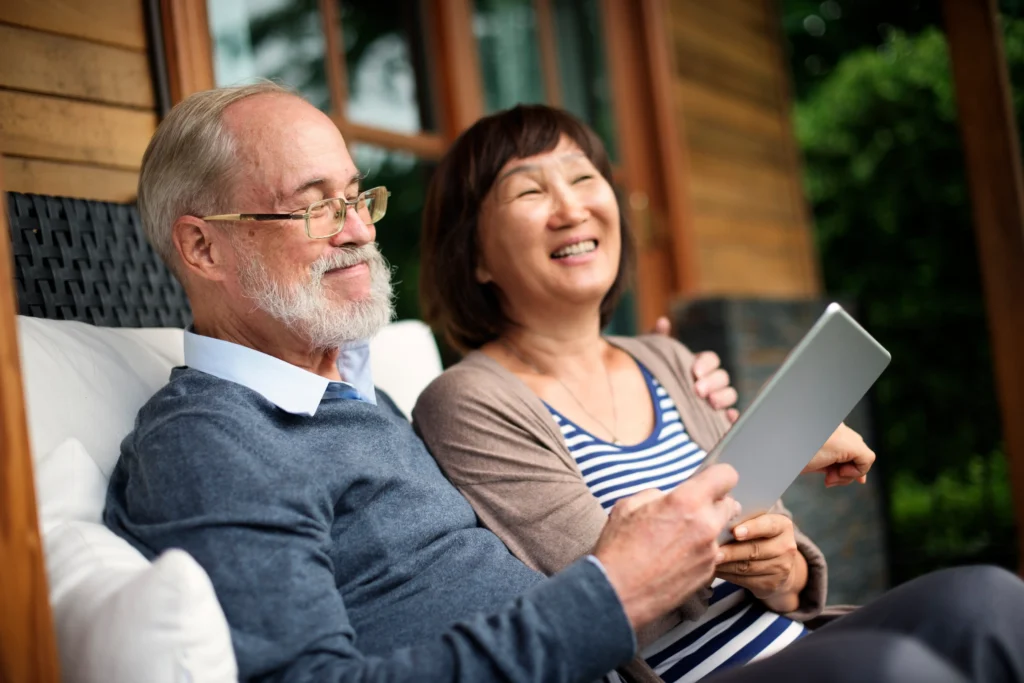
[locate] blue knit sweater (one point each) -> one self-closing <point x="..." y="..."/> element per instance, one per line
<point x="339" y="551"/>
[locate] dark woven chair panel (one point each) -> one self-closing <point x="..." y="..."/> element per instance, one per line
<point x="89" y="261"/>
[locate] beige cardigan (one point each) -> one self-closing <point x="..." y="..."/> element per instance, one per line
<point x="498" y="443"/>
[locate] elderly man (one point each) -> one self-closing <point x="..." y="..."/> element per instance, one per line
<point x="337" y="549"/>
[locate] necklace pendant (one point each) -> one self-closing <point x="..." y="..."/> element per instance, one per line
<point x="616" y="442"/>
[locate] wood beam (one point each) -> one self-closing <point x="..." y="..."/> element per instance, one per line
<point x="460" y="89"/>
<point x="334" y="58"/>
<point x="186" y="31"/>
<point x="992" y="151"/>
<point x="651" y="154"/>
<point x="548" y="45"/>
<point x="28" y="651"/>
<point x="672" y="151"/>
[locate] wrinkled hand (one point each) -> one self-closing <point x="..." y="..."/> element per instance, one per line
<point x="659" y="548"/>
<point x="765" y="560"/>
<point x="844" y="458"/>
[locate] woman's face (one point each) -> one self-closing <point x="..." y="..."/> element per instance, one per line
<point x="549" y="231"/>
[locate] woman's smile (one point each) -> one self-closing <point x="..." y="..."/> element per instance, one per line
<point x="576" y="252"/>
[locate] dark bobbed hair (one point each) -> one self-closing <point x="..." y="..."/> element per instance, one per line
<point x="465" y="311"/>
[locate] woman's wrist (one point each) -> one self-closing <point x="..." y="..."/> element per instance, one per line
<point x="787" y="599"/>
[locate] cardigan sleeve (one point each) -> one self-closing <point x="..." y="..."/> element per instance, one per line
<point x="498" y="453"/>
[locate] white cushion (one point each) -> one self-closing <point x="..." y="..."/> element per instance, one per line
<point x="118" y="618"/>
<point x="405" y="360"/>
<point x="89" y="382"/>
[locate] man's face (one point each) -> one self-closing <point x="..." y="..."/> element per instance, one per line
<point x="328" y="290"/>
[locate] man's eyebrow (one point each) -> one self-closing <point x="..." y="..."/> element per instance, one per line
<point x="320" y="182"/>
<point x="309" y="185"/>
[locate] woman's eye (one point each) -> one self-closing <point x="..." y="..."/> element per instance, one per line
<point x="582" y="178"/>
<point x="532" y="190"/>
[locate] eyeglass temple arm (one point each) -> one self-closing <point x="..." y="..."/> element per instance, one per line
<point x="254" y="217"/>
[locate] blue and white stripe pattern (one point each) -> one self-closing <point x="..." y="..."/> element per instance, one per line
<point x="737" y="628"/>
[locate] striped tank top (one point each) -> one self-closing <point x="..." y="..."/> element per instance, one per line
<point x="737" y="628"/>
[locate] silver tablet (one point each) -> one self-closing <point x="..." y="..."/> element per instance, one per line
<point x="820" y="382"/>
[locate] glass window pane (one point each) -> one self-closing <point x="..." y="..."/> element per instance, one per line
<point x="506" y="35"/>
<point x="385" y="56"/>
<point x="282" y="40"/>
<point x="398" y="233"/>
<point x="583" y="75"/>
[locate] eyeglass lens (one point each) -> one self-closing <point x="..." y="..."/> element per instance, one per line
<point x="328" y="217"/>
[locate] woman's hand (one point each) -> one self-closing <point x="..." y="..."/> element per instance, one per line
<point x="765" y="560"/>
<point x="711" y="382"/>
<point x="844" y="458"/>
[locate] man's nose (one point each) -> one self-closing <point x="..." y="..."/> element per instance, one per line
<point x="355" y="231"/>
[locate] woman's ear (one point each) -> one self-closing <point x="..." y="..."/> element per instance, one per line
<point x="483" y="276"/>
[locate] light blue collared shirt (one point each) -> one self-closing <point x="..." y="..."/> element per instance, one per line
<point x="287" y="386"/>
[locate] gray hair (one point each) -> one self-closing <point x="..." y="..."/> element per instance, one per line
<point x="188" y="163"/>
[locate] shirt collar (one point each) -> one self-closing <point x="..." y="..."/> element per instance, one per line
<point x="287" y="386"/>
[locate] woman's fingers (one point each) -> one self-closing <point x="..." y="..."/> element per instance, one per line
<point x="767" y="525"/>
<point x="704" y="363"/>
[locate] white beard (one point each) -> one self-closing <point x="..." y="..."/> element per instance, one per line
<point x="306" y="308"/>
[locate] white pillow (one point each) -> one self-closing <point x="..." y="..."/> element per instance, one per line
<point x="89" y="382"/>
<point x="118" y="618"/>
<point x="405" y="360"/>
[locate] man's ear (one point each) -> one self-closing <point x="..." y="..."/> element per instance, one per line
<point x="203" y="250"/>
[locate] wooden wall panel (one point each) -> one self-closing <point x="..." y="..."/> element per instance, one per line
<point x="115" y="22"/>
<point x="765" y="271"/>
<point x="77" y="102"/>
<point x="44" y="127"/>
<point x="70" y="179"/>
<point x="72" y="67"/>
<point x="748" y="214"/>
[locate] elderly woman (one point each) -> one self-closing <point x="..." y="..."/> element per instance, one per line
<point x="546" y="423"/>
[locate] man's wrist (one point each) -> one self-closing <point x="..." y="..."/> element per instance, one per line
<point x="593" y="559"/>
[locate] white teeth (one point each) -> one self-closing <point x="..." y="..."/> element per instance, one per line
<point x="584" y="247"/>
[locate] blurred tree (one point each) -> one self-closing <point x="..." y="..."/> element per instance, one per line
<point x="885" y="175"/>
<point x="820" y="33"/>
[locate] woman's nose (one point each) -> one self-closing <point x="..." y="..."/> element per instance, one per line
<point x="569" y="210"/>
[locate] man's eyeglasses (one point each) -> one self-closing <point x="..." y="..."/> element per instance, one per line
<point x="326" y="217"/>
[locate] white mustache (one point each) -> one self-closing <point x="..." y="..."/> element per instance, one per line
<point x="345" y="257"/>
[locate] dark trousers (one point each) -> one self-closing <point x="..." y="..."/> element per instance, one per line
<point x="952" y="626"/>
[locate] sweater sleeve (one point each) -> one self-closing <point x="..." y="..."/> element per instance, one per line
<point x="188" y="484"/>
<point x="494" y="450"/>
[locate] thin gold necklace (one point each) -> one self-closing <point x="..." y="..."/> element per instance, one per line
<point x="611" y="390"/>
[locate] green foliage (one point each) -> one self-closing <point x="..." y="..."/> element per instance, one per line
<point x="979" y="493"/>
<point x="885" y="174"/>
